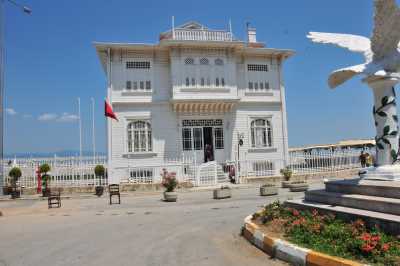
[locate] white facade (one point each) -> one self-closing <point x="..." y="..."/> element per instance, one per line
<point x="195" y="87"/>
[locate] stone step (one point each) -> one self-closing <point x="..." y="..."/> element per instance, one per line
<point x="390" y="189"/>
<point x="387" y="222"/>
<point x="364" y="202"/>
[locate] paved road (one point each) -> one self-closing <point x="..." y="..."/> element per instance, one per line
<point x="143" y="230"/>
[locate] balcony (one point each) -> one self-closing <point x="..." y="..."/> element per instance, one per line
<point x="201" y="35"/>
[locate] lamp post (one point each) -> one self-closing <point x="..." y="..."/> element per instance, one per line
<point x="26" y="10"/>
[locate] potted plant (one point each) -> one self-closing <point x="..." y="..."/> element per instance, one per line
<point x="44" y="169"/>
<point x="268" y="190"/>
<point x="7" y="188"/>
<point x="169" y="182"/>
<point x="15" y="173"/>
<point x="223" y="192"/>
<point x="287" y="174"/>
<point x="99" y="172"/>
<point x="298" y="186"/>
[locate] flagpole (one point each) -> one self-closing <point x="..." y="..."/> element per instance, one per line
<point x="80" y="130"/>
<point x="93" y="133"/>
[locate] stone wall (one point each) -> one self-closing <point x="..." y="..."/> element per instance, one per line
<point x="185" y="185"/>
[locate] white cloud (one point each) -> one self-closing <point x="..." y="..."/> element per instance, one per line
<point x="47" y="117"/>
<point x="11" y="111"/>
<point x="67" y="117"/>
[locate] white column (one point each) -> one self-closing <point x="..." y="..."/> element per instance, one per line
<point x="387" y="135"/>
<point x="386" y="121"/>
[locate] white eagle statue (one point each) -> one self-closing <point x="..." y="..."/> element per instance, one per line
<point x="382" y="54"/>
<point x="381" y="71"/>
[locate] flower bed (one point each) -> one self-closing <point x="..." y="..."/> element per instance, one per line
<point x="330" y="235"/>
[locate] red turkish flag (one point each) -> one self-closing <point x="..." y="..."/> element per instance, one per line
<point x="108" y="111"/>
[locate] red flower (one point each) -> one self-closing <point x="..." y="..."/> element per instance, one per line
<point x="295" y="212"/>
<point x="385" y="247"/>
<point x="367" y="248"/>
<point x="365" y="237"/>
<point x="297" y="222"/>
<point x="375" y="238"/>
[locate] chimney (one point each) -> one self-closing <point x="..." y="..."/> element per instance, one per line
<point x="252" y="39"/>
<point x="251" y="35"/>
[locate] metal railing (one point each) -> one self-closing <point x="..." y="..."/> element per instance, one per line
<point x="202" y="35"/>
<point x="65" y="171"/>
<point x="75" y="171"/>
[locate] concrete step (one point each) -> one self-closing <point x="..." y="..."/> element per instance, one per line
<point x="364" y="202"/>
<point x="390" y="189"/>
<point x="387" y="222"/>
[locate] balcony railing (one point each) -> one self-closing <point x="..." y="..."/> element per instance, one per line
<point x="202" y="35"/>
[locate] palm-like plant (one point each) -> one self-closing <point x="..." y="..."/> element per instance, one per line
<point x="44" y="169"/>
<point x="99" y="172"/>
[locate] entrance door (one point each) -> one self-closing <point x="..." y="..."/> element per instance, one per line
<point x="208" y="144"/>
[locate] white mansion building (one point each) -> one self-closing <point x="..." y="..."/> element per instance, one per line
<point x="195" y="94"/>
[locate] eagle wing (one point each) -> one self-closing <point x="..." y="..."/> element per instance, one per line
<point x="340" y="76"/>
<point x="354" y="43"/>
<point x="386" y="35"/>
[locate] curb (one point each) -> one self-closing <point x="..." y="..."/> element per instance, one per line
<point x="289" y="252"/>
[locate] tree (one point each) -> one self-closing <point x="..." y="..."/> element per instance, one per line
<point x="15" y="173"/>
<point x="44" y="169"/>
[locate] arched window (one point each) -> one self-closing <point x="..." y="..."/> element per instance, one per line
<point x="261" y="133"/>
<point x="203" y="61"/>
<point x="217" y="82"/>
<point x="222" y="82"/>
<point x="139" y="136"/>
<point x="187" y="82"/>
<point x="219" y="62"/>
<point x="193" y="82"/>
<point x="189" y="61"/>
<point x="202" y="82"/>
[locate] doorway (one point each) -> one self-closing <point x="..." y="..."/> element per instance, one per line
<point x="208" y="144"/>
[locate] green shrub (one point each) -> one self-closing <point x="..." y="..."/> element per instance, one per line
<point x="15" y="173"/>
<point x="99" y="171"/>
<point x="287" y="173"/>
<point x="44" y="168"/>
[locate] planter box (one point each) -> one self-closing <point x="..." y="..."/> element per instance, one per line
<point x="170" y="196"/>
<point x="268" y="191"/>
<point x="222" y="193"/>
<point x="298" y="187"/>
<point x="285" y="184"/>
<point x="7" y="190"/>
<point x="99" y="191"/>
<point x="15" y="194"/>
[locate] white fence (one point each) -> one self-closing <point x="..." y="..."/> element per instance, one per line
<point x="74" y="172"/>
<point x="65" y="171"/>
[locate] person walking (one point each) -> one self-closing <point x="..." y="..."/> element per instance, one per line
<point x="363" y="159"/>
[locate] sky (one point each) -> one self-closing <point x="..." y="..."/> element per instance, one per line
<point x="50" y="62"/>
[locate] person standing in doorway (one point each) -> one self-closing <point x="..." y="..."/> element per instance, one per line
<point x="208" y="149"/>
